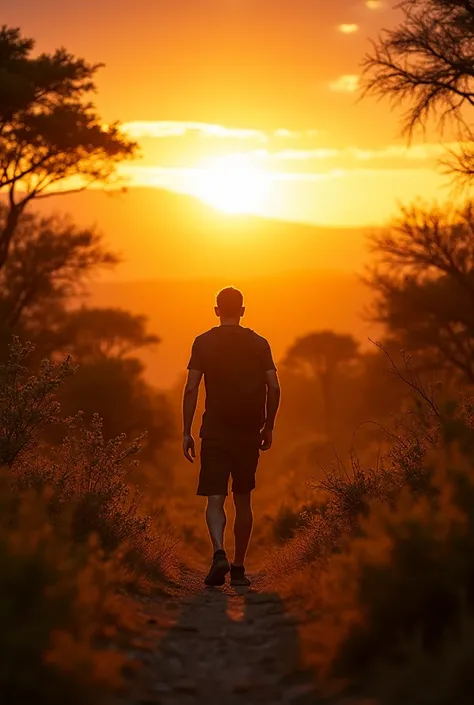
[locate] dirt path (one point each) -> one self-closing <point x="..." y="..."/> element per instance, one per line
<point x="220" y="647"/>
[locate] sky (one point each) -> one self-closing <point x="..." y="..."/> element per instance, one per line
<point x="251" y="105"/>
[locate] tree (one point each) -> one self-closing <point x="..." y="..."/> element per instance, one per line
<point x="115" y="389"/>
<point x="94" y="334"/>
<point x="428" y="61"/>
<point x="323" y="354"/>
<point x="49" y="263"/>
<point x="51" y="137"/>
<point x="423" y="277"/>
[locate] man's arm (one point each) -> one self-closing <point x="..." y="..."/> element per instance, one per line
<point x="273" y="402"/>
<point x="190" y="398"/>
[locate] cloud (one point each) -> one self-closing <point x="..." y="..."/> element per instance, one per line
<point x="374" y="4"/>
<point x="163" y="129"/>
<point x="348" y="83"/>
<point x="305" y="154"/>
<point x="390" y="154"/>
<point x="348" y="28"/>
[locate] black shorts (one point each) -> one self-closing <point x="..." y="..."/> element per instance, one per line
<point x="222" y="459"/>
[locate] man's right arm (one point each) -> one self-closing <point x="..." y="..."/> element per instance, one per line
<point x="273" y="403"/>
<point x="190" y="398"/>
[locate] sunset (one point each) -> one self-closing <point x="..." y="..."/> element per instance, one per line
<point x="270" y="85"/>
<point x="236" y="352"/>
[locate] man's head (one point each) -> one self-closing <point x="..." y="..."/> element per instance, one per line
<point x="230" y="304"/>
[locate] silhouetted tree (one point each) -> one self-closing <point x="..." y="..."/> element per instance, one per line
<point x="51" y="136"/>
<point x="93" y="334"/>
<point x="427" y="61"/>
<point x="424" y="283"/>
<point x="115" y="389"/>
<point x="323" y="354"/>
<point x="47" y="268"/>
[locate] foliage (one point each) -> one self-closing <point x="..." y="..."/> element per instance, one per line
<point x="385" y="567"/>
<point x="290" y="520"/>
<point x="423" y="279"/>
<point x="51" y="136"/>
<point x="427" y="61"/>
<point x="323" y="354"/>
<point x="27" y="404"/>
<point x="95" y="334"/>
<point x="90" y="476"/>
<point x="116" y="390"/>
<point x="58" y="604"/>
<point x="47" y="268"/>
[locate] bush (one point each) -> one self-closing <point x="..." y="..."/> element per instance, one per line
<point x="90" y="477"/>
<point x="394" y="595"/>
<point x="58" y="602"/>
<point x="73" y="535"/>
<point x="290" y="520"/>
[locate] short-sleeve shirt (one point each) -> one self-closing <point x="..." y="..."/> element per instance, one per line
<point x="234" y="361"/>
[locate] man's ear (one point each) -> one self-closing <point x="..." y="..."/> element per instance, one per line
<point x="242" y="312"/>
<point x="216" y="311"/>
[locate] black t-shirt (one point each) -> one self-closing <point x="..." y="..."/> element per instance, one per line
<point x="234" y="361"/>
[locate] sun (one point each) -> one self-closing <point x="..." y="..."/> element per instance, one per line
<point x="233" y="183"/>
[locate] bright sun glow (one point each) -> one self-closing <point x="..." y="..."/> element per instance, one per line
<point x="233" y="183"/>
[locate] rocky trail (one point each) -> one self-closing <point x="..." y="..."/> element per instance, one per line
<point x="219" y="647"/>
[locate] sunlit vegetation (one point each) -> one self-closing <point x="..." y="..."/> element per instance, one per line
<point x="365" y="508"/>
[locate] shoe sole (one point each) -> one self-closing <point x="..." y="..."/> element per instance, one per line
<point x="218" y="575"/>
<point x="240" y="583"/>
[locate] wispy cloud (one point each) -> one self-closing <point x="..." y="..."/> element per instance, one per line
<point x="305" y="154"/>
<point x="163" y="129"/>
<point x="389" y="153"/>
<point x="348" y="83"/>
<point x="348" y="28"/>
<point x="374" y="4"/>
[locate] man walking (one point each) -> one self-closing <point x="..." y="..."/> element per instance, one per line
<point x="242" y="399"/>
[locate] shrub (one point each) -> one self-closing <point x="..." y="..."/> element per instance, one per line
<point x="408" y="576"/>
<point x="27" y="403"/>
<point x="91" y="477"/>
<point x="290" y="520"/>
<point x="58" y="602"/>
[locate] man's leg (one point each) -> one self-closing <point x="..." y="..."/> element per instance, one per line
<point x="216" y="520"/>
<point x="242" y="527"/>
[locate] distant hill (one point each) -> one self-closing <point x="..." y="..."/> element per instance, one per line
<point x="167" y="235"/>
<point x="279" y="307"/>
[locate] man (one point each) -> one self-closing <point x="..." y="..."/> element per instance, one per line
<point x="242" y="399"/>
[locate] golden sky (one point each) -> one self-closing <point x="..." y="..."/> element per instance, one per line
<point x="249" y="104"/>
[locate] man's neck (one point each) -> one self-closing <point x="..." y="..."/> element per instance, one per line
<point x="230" y="321"/>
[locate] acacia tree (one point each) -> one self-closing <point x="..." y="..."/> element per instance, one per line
<point x="423" y="277"/>
<point x="51" y="137"/>
<point x="427" y="63"/>
<point x="323" y="354"/>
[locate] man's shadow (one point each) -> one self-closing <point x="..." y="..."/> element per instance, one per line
<point x="232" y="647"/>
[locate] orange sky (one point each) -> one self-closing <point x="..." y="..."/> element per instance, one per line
<point x="267" y="85"/>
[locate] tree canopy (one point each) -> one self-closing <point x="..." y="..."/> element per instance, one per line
<point x="427" y="63"/>
<point x="51" y="136"/>
<point x="423" y="277"/>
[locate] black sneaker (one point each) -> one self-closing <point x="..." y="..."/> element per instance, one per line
<point x="238" y="577"/>
<point x="219" y="569"/>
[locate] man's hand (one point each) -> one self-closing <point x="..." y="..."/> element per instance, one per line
<point x="266" y="439"/>
<point x="189" y="448"/>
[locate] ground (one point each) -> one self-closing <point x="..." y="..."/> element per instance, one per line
<point x="219" y="646"/>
